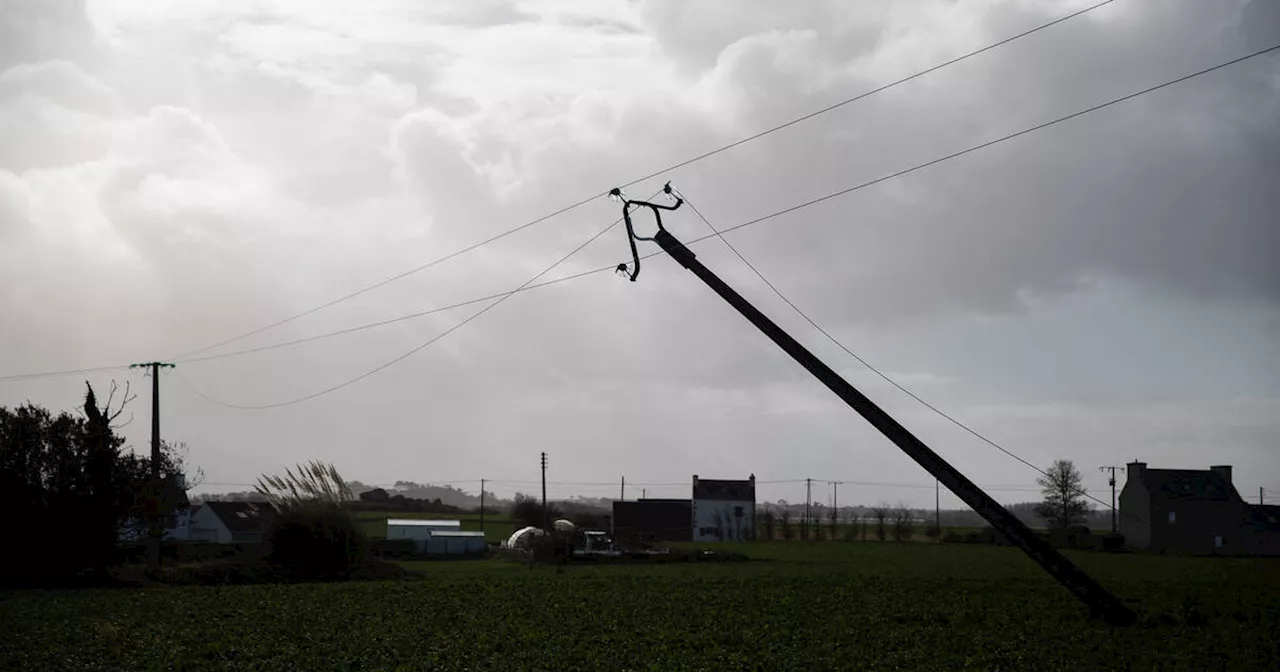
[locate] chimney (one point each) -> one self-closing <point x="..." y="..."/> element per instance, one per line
<point x="1223" y="470"/>
<point x="1136" y="469"/>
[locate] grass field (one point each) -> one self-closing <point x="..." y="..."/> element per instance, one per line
<point x="798" y="607"/>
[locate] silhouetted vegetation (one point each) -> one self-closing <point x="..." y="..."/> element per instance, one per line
<point x="1064" y="501"/>
<point x="312" y="534"/>
<point x="70" y="486"/>
<point x="528" y="510"/>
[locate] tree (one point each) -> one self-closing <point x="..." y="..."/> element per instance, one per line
<point x="1064" y="496"/>
<point x="903" y="524"/>
<point x="881" y="513"/>
<point x="527" y="510"/>
<point x="788" y="532"/>
<point x="766" y="516"/>
<point x="1064" y="502"/>
<point x="73" y="471"/>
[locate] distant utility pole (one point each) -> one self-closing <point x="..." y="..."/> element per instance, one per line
<point x="482" y="505"/>
<point x="808" y="490"/>
<point x="157" y="528"/>
<point x="546" y="515"/>
<point x="1260" y="502"/>
<point x="1112" y="482"/>
<point x="644" y="493"/>
<point x="835" y="500"/>
<point x="622" y="496"/>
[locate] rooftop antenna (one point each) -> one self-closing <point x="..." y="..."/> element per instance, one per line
<point x="1099" y="601"/>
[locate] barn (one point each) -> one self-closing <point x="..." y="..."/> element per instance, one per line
<point x="455" y="542"/>
<point x="420" y="531"/>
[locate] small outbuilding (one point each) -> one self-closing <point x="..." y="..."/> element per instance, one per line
<point x="420" y="531"/>
<point x="447" y="542"/>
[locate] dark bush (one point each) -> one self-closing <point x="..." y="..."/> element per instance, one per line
<point x="316" y="539"/>
<point x="952" y="538"/>
<point x="392" y="548"/>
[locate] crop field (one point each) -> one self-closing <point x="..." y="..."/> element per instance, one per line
<point x="793" y="607"/>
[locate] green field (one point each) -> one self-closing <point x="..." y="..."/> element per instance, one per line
<point x="796" y="607"/>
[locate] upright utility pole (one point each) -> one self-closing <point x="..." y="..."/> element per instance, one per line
<point x="1112" y="482"/>
<point x="1099" y="601"/>
<point x="808" y="488"/>
<point x="546" y="515"/>
<point x="1260" y="502"/>
<point x="482" y="505"/>
<point x="937" y="509"/>
<point x="157" y="488"/>
<point x="835" y="501"/>
<point x="622" y="496"/>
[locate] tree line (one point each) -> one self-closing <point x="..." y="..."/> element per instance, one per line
<point x="72" y="488"/>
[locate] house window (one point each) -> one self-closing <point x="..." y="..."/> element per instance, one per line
<point x="1173" y="517"/>
<point x="1217" y="541"/>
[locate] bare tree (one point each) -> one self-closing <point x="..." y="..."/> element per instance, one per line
<point x="788" y="533"/>
<point x="1064" y="496"/>
<point x="903" y="525"/>
<point x="881" y="513"/>
<point x="766" y="516"/>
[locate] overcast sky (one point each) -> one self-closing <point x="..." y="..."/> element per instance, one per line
<point x="175" y="174"/>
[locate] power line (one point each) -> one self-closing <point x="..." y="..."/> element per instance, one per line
<point x="56" y="374"/>
<point x="717" y="233"/>
<point x="989" y="143"/>
<point x="675" y="166"/>
<point x="394" y="360"/>
<point x="775" y="214"/>
<point x="757" y="220"/>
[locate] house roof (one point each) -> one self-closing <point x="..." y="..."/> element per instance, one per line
<point x="732" y="490"/>
<point x="242" y="516"/>
<point x="415" y="522"/>
<point x="1189" y="484"/>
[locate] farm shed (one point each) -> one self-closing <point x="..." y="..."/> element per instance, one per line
<point x="419" y="530"/>
<point x="447" y="542"/>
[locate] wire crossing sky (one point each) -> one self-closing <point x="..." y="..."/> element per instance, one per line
<point x="1102" y="285"/>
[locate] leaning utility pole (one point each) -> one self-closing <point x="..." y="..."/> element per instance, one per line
<point x="546" y="515"/>
<point x="157" y="488"/>
<point x="1112" y="482"/>
<point x="1099" y="601"/>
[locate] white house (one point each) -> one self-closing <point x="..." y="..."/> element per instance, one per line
<point x="724" y="510"/>
<point x="231" y="522"/>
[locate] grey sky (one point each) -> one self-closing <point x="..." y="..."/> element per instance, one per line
<point x="1105" y="289"/>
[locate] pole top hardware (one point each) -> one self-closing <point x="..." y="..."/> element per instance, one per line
<point x="634" y="269"/>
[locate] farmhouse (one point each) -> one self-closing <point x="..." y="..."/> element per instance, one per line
<point x="231" y="522"/>
<point x="724" y="510"/>
<point x="1194" y="511"/>
<point x="719" y="510"/>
